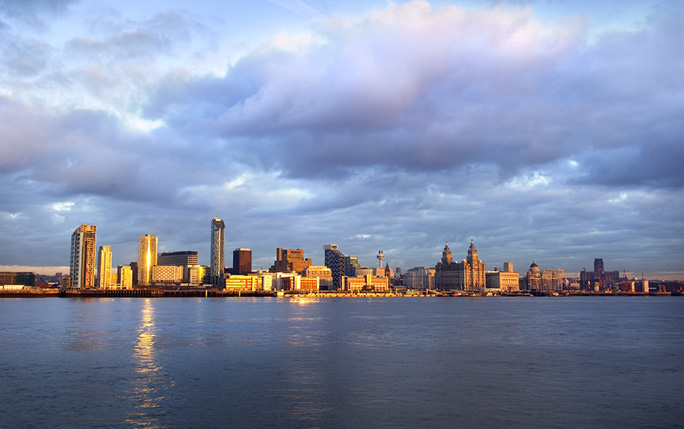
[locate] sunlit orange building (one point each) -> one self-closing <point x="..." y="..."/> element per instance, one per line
<point x="290" y="261"/>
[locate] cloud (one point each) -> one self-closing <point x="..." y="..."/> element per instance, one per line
<point x="397" y="130"/>
<point x="34" y="12"/>
<point x="421" y="88"/>
<point x="297" y="6"/>
<point x="151" y="38"/>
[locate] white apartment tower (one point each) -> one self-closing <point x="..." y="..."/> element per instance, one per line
<point x="82" y="266"/>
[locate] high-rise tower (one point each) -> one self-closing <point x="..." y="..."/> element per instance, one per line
<point x="82" y="267"/>
<point x="242" y="261"/>
<point x="104" y="267"/>
<point x="476" y="270"/>
<point x="446" y="254"/>
<point x="218" y="245"/>
<point x="598" y="265"/>
<point x="335" y="260"/>
<point x="147" y="258"/>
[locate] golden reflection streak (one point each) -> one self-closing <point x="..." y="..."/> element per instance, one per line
<point x="147" y="391"/>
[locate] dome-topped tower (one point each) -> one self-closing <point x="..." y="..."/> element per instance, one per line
<point x="472" y="253"/>
<point x="446" y="254"/>
<point x="534" y="269"/>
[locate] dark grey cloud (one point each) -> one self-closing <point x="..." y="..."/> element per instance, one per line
<point x="653" y="164"/>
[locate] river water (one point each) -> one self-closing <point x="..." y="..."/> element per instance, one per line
<point x="396" y="362"/>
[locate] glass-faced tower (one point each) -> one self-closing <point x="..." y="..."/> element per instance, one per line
<point x="218" y="245"/>
<point x="147" y="258"/>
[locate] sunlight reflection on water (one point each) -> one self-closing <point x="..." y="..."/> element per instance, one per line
<point x="149" y="385"/>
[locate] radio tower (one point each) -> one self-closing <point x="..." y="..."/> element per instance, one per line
<point x="380" y="258"/>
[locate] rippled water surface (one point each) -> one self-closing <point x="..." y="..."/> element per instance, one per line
<point x="411" y="362"/>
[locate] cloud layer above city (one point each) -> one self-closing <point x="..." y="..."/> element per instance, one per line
<point x="546" y="131"/>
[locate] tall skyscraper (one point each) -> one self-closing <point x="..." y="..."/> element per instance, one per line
<point x="147" y="258"/>
<point x="82" y="269"/>
<point x="104" y="267"/>
<point x="218" y="245"/>
<point x="242" y="261"/>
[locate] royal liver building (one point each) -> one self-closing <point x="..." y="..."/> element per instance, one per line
<point x="467" y="275"/>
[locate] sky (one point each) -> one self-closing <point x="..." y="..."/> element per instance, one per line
<point x="545" y="130"/>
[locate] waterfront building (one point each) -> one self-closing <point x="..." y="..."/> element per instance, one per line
<point x="354" y="284"/>
<point x="242" y="261"/>
<point x="17" y="278"/>
<point x="217" y="255"/>
<point x="124" y="275"/>
<point x="134" y="270"/>
<point x="184" y="258"/>
<point x="598" y="279"/>
<point x="82" y="266"/>
<point x="65" y="282"/>
<point x="419" y="278"/>
<point x="467" y="275"/>
<point x="449" y="275"/>
<point x="266" y="279"/>
<point x="351" y="265"/>
<point x="475" y="270"/>
<point x="309" y="284"/>
<point x="384" y="272"/>
<point x="363" y="271"/>
<point x="290" y="261"/>
<point x="532" y="280"/>
<point x="323" y="273"/>
<point x="366" y="283"/>
<point x="166" y="274"/>
<point x="290" y="282"/>
<point x="196" y="274"/>
<point x="147" y="258"/>
<point x="281" y="281"/>
<point x="552" y="280"/>
<point x="242" y="283"/>
<point x="335" y="260"/>
<point x="104" y="267"/>
<point x="504" y="281"/>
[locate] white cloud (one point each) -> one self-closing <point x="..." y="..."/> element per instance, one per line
<point x="63" y="206"/>
<point x="526" y="182"/>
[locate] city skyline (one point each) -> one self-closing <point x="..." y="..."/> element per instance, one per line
<point x="545" y="131"/>
<point x="148" y="255"/>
